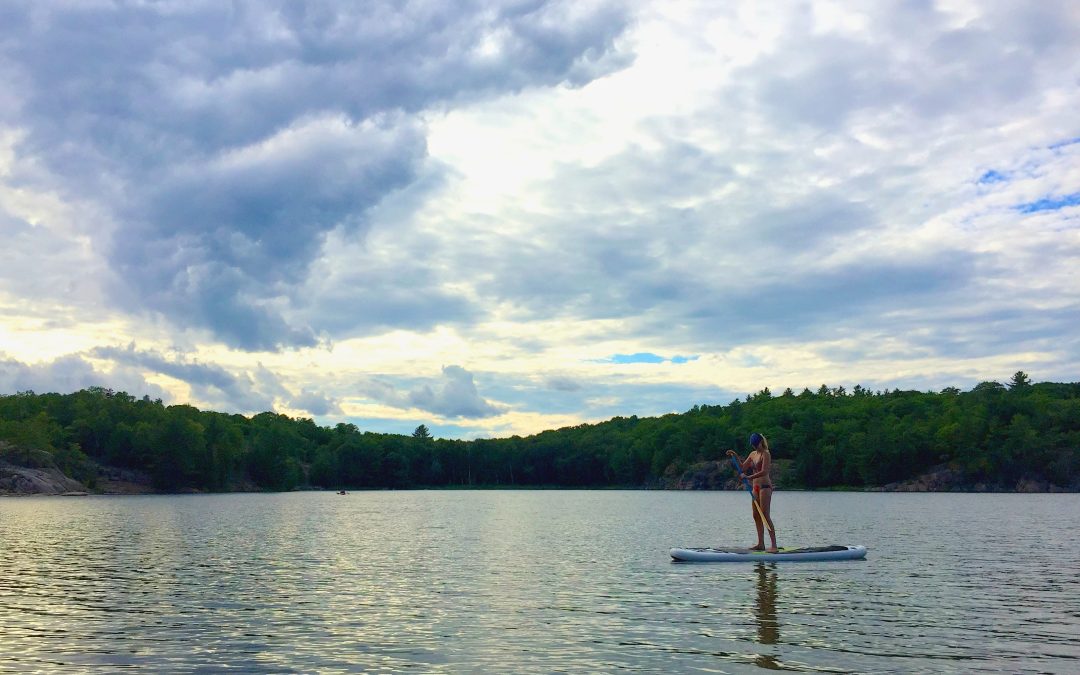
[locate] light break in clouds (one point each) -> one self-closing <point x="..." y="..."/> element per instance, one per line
<point x="496" y="218"/>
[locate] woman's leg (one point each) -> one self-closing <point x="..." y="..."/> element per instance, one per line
<point x="760" y="530"/>
<point x="765" y="497"/>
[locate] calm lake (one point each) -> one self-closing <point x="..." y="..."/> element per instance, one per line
<point x="535" y="581"/>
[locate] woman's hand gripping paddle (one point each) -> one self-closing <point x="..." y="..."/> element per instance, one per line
<point x="757" y="506"/>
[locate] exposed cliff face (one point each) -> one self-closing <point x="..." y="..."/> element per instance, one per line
<point x="19" y="480"/>
<point x="944" y="478"/>
<point x="941" y="478"/>
<point x="35" y="472"/>
<point x="719" y="475"/>
<point x="703" y="476"/>
<point x="116" y="481"/>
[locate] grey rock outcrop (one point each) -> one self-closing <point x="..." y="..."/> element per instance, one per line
<point x="20" y="480"/>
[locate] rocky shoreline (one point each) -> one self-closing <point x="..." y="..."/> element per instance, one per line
<point x="18" y="480"/>
<point x="25" y="481"/>
<point x="944" y="478"/>
<point x="941" y="478"/>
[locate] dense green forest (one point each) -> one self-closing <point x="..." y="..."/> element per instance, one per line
<point x="994" y="433"/>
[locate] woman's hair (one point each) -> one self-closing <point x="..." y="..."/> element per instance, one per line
<point x="757" y="439"/>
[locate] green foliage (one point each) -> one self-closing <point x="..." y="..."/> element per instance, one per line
<point x="994" y="433"/>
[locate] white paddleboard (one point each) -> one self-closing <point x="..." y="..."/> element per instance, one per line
<point x="809" y="553"/>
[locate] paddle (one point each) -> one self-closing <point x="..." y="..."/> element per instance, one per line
<point x="738" y="472"/>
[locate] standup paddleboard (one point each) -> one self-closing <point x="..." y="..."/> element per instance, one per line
<point x="785" y="555"/>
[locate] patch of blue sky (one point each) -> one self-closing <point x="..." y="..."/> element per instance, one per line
<point x="992" y="176"/>
<point x="639" y="357"/>
<point x="1065" y="143"/>
<point x="647" y="357"/>
<point x="1049" y="203"/>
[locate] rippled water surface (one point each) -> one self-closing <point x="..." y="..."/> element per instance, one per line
<point x="520" y="581"/>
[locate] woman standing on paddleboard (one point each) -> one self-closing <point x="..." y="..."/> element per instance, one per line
<point x="756" y="468"/>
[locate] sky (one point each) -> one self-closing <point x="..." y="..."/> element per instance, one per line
<point x="495" y="218"/>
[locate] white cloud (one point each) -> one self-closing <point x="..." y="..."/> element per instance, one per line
<point x="71" y="373"/>
<point x="454" y="395"/>
<point x="792" y="193"/>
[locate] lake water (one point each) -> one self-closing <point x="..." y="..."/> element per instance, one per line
<point x="535" y="581"/>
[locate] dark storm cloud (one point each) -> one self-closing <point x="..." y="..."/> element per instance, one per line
<point x="231" y="237"/>
<point x="227" y="139"/>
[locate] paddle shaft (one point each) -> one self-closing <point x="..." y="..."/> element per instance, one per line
<point x="750" y="489"/>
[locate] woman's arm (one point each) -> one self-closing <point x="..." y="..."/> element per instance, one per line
<point x="742" y="462"/>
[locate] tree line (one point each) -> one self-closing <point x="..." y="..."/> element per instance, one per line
<point x="995" y="433"/>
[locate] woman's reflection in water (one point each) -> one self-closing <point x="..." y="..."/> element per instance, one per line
<point x="765" y="613"/>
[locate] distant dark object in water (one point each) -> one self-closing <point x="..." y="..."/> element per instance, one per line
<point x="342" y="492"/>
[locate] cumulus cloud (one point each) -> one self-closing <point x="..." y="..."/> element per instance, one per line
<point x="226" y="141"/>
<point x="453" y="395"/>
<point x="219" y="243"/>
<point x="221" y="388"/>
<point x="68" y="374"/>
<point x="316" y="403"/>
<point x="211" y="383"/>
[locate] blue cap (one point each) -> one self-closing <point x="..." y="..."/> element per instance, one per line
<point x="756" y="439"/>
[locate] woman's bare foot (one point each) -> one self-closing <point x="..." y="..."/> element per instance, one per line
<point x="759" y="547"/>
<point x="771" y="549"/>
